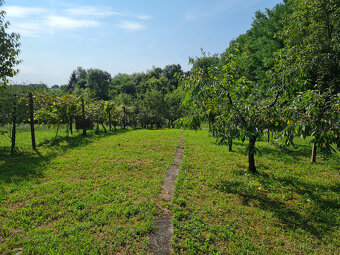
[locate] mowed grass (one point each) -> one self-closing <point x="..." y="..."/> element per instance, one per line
<point x="76" y="195"/>
<point x="291" y="207"/>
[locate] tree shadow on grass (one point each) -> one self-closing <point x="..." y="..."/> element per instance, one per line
<point x="27" y="164"/>
<point x="70" y="142"/>
<point x="318" y="221"/>
<point x="285" y="153"/>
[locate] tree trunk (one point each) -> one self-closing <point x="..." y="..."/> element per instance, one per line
<point x="230" y="142"/>
<point x="14" y="125"/>
<point x="313" y="159"/>
<point x="71" y="130"/>
<point x="56" y="134"/>
<point x="104" y="127"/>
<point x="124" y="119"/>
<point x="268" y="136"/>
<point x="251" y="154"/>
<point x="83" y="115"/>
<point x="110" y="122"/>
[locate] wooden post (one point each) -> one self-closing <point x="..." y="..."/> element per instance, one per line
<point x="83" y="113"/>
<point x="71" y="122"/>
<point x="313" y="159"/>
<point x="124" y="118"/>
<point x="14" y="123"/>
<point x="268" y="135"/>
<point x="30" y="95"/>
<point x="110" y="123"/>
<point x="230" y="143"/>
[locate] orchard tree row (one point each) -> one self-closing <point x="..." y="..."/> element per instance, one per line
<point x="154" y="110"/>
<point x="282" y="75"/>
<point x="25" y="104"/>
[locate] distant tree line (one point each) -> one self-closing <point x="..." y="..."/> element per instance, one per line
<point x="152" y="95"/>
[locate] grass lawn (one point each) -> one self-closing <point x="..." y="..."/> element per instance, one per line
<point x="100" y="195"/>
<point x="291" y="207"/>
<point x="93" y="195"/>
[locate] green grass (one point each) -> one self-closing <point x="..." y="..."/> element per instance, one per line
<point x="291" y="207"/>
<point x="93" y="195"/>
<point x="100" y="195"/>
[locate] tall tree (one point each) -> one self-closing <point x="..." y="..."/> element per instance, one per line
<point x="237" y="101"/>
<point x="257" y="47"/>
<point x="122" y="83"/>
<point x="81" y="74"/>
<point x="72" y="82"/>
<point x="312" y="49"/>
<point x="169" y="72"/>
<point x="9" y="49"/>
<point x="98" y="81"/>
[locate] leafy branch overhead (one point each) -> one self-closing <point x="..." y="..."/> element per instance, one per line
<point x="9" y="48"/>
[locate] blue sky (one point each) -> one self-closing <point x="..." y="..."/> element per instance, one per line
<point x="121" y="36"/>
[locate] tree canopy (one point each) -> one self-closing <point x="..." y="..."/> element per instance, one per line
<point x="9" y="49"/>
<point x="282" y="75"/>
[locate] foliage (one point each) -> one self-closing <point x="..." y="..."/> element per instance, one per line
<point x="122" y="84"/>
<point x="55" y="110"/>
<point x="16" y="98"/>
<point x="236" y="101"/>
<point x="98" y="81"/>
<point x="174" y="107"/>
<point x="282" y="75"/>
<point x="257" y="47"/>
<point x="152" y="109"/>
<point x="305" y="118"/>
<point x="132" y="94"/>
<point x="9" y="49"/>
<point x="72" y="82"/>
<point x="311" y="37"/>
<point x="170" y="72"/>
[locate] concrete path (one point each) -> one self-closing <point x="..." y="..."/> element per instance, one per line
<point x="160" y="239"/>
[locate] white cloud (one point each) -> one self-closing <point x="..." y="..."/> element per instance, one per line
<point x="49" y="24"/>
<point x="144" y="17"/>
<point x="131" y="26"/>
<point x="91" y="11"/>
<point x="29" y="29"/>
<point x="34" y="21"/>
<point x="69" y="23"/>
<point x="22" y="12"/>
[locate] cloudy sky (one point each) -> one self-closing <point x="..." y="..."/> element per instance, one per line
<point x="121" y="36"/>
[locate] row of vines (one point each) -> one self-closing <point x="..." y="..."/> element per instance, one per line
<point x="71" y="111"/>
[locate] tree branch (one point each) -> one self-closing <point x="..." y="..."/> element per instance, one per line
<point x="276" y="99"/>
<point x="231" y="103"/>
